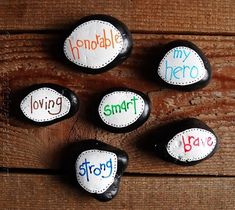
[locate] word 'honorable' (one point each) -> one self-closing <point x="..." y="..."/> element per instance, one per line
<point x="107" y="39"/>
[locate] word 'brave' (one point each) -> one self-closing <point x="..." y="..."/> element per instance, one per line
<point x="191" y="142"/>
<point x="118" y="108"/>
<point x="46" y="104"/>
<point x="105" y="41"/>
<point x="180" y="71"/>
<point x="104" y="170"/>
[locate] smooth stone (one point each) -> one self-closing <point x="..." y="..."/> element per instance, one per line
<point x="45" y="104"/>
<point x="98" y="43"/>
<point x="122" y="109"/>
<point x="99" y="168"/>
<point x="185" y="142"/>
<point x="182" y="65"/>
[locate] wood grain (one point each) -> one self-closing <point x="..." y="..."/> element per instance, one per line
<point x="196" y="16"/>
<point x="21" y="191"/>
<point x="32" y="58"/>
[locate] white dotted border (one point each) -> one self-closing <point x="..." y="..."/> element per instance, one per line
<point x="113" y="175"/>
<point x="45" y="120"/>
<point x="187" y="131"/>
<point x="182" y="83"/>
<point x="94" y="66"/>
<point x="122" y="125"/>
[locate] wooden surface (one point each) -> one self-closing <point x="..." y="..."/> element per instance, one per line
<point x="31" y="34"/>
<point x="50" y="192"/>
<point x="195" y="16"/>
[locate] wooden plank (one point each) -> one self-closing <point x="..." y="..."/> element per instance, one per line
<point x="21" y="191"/>
<point x="196" y="16"/>
<point x="30" y="58"/>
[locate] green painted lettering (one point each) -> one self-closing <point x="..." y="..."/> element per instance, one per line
<point x="128" y="103"/>
<point x="116" y="108"/>
<point x="124" y="106"/>
<point x="107" y="110"/>
<point x="134" y="99"/>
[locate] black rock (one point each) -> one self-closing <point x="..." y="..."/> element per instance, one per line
<point x="98" y="43"/>
<point x="99" y="168"/>
<point x="122" y="109"/>
<point x="185" y="142"/>
<point x="45" y="104"/>
<point x="182" y="65"/>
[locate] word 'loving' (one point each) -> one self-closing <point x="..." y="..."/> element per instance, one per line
<point x="191" y="142"/>
<point x="119" y="108"/>
<point x="104" y="170"/>
<point x="46" y="104"/>
<point x="180" y="71"/>
<point x="108" y="39"/>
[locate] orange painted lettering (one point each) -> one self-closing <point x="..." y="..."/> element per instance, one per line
<point x="72" y="50"/>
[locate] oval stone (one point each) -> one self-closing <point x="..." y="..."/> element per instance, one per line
<point x="182" y="65"/>
<point x="45" y="104"/>
<point x="98" y="43"/>
<point x="99" y="168"/>
<point x="123" y="110"/>
<point x="186" y="142"/>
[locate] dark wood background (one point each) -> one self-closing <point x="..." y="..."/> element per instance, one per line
<point x="30" y="157"/>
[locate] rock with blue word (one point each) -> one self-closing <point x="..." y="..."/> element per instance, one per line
<point x="45" y="104"/>
<point x="122" y="109"/>
<point x="99" y="168"/>
<point x="182" y="65"/>
<point x="98" y="43"/>
<point x="185" y="142"/>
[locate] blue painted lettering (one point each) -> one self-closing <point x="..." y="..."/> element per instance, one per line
<point x="186" y="55"/>
<point x="180" y="72"/>
<point x="180" y="54"/>
<point x="103" y="169"/>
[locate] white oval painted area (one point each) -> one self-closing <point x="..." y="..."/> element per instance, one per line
<point x="45" y="104"/>
<point x="96" y="170"/>
<point x="93" y="44"/>
<point x="181" y="66"/>
<point x="192" y="145"/>
<point x="121" y="108"/>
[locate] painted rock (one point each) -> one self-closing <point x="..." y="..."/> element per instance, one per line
<point x="98" y="43"/>
<point x="185" y="142"/>
<point x="45" y="104"/>
<point x="123" y="110"/>
<point x="99" y="168"/>
<point x="182" y="65"/>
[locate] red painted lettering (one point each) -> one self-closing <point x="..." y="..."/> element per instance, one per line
<point x="209" y="141"/>
<point x="196" y="142"/>
<point x="187" y="147"/>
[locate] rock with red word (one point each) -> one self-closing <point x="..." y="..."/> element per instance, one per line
<point x="45" y="104"/>
<point x="182" y="65"/>
<point x="185" y="142"/>
<point x="123" y="109"/>
<point x="98" y="43"/>
<point x="99" y="168"/>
